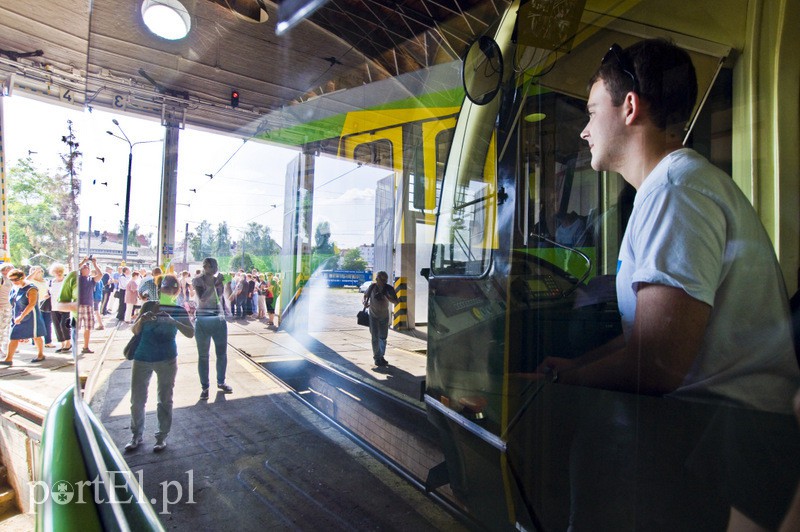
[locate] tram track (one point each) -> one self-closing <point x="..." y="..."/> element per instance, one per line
<point x="394" y="431"/>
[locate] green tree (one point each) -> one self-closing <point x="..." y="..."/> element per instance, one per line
<point x="354" y="261"/>
<point x="223" y="241"/>
<point x="72" y="166"/>
<point x="252" y="242"/>
<point x="133" y="233"/>
<point x="39" y="209"/>
<point x="270" y="247"/>
<point x="202" y="242"/>
<point x="242" y="260"/>
<point x="257" y="241"/>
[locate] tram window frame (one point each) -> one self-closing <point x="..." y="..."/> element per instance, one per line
<point x="376" y="149"/>
<point x="443" y="143"/>
<point x="482" y="199"/>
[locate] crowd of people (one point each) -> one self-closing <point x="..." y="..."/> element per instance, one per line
<point x="157" y="305"/>
<point x="31" y="306"/>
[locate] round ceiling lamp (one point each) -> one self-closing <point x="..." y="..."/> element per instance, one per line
<point x="535" y="117"/>
<point x="166" y="18"/>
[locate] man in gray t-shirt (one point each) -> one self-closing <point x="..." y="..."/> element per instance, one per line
<point x="210" y="325"/>
<point x="702" y="297"/>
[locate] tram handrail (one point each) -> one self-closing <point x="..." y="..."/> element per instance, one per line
<point x="78" y="454"/>
<point x="79" y="458"/>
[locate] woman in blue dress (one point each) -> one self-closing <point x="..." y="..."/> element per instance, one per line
<point x="26" y="321"/>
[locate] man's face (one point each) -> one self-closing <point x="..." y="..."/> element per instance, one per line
<point x="85" y="270"/>
<point x="604" y="130"/>
<point x="209" y="268"/>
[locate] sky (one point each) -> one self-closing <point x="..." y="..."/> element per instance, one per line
<point x="248" y="183"/>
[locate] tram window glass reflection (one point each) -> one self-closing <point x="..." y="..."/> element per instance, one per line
<point x="377" y="153"/>
<point x="444" y="139"/>
<point x="566" y="199"/>
<point x="465" y="235"/>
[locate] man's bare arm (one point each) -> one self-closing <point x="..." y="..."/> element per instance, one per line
<point x="666" y="337"/>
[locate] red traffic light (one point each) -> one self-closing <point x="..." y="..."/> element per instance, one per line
<point x="234" y="99"/>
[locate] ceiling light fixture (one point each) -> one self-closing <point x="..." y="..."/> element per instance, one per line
<point x="166" y="18"/>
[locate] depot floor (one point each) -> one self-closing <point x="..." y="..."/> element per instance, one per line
<point x="256" y="458"/>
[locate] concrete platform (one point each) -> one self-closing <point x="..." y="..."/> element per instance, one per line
<point x="257" y="458"/>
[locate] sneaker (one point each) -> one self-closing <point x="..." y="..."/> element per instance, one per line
<point x="224" y="388"/>
<point x="133" y="444"/>
<point x="159" y="446"/>
<point x="381" y="362"/>
<point x="204" y="394"/>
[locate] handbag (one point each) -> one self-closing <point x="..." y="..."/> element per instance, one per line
<point x="133" y="343"/>
<point x="363" y="317"/>
<point x="130" y="347"/>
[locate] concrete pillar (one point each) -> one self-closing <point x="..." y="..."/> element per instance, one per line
<point x="169" y="195"/>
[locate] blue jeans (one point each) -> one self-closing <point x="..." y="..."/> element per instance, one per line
<point x="207" y="328"/>
<point x="140" y="379"/>
<point x="379" y="330"/>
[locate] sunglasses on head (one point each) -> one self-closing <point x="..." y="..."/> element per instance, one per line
<point x="615" y="53"/>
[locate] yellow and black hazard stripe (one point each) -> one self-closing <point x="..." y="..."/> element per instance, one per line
<point x="400" y="321"/>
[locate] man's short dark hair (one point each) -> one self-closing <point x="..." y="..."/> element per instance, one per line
<point x="211" y="263"/>
<point x="666" y="81"/>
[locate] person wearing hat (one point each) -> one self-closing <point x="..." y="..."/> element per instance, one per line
<point x="5" y="306"/>
<point x="157" y="352"/>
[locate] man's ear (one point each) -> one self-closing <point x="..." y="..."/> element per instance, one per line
<point x="633" y="106"/>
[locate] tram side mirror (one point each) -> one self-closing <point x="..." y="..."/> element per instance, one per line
<point x="482" y="70"/>
<point x="425" y="272"/>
